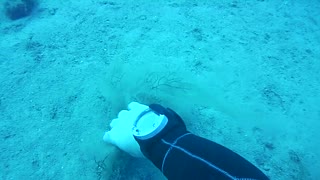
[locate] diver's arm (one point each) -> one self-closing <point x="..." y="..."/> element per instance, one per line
<point x="160" y="134"/>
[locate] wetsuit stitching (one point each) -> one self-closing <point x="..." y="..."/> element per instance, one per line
<point x="198" y="158"/>
<point x="165" y="156"/>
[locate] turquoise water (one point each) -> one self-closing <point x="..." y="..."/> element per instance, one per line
<point x="245" y="74"/>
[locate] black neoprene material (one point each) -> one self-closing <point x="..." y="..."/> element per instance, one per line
<point x="193" y="157"/>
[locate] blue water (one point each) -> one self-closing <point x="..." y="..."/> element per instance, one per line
<point x="245" y="74"/>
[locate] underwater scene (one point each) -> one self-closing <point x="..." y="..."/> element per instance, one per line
<point x="242" y="74"/>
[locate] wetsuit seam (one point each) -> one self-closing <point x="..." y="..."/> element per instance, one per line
<point x="165" y="156"/>
<point x="196" y="157"/>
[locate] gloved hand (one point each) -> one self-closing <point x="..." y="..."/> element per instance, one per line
<point x="120" y="134"/>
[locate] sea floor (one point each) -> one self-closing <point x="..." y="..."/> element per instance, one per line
<point x="245" y="74"/>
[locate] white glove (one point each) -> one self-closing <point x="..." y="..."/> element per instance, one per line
<point x="120" y="134"/>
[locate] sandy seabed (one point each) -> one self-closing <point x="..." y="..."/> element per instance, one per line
<point x="245" y="74"/>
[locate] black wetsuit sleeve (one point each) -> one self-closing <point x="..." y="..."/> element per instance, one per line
<point x="181" y="155"/>
<point x="192" y="157"/>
